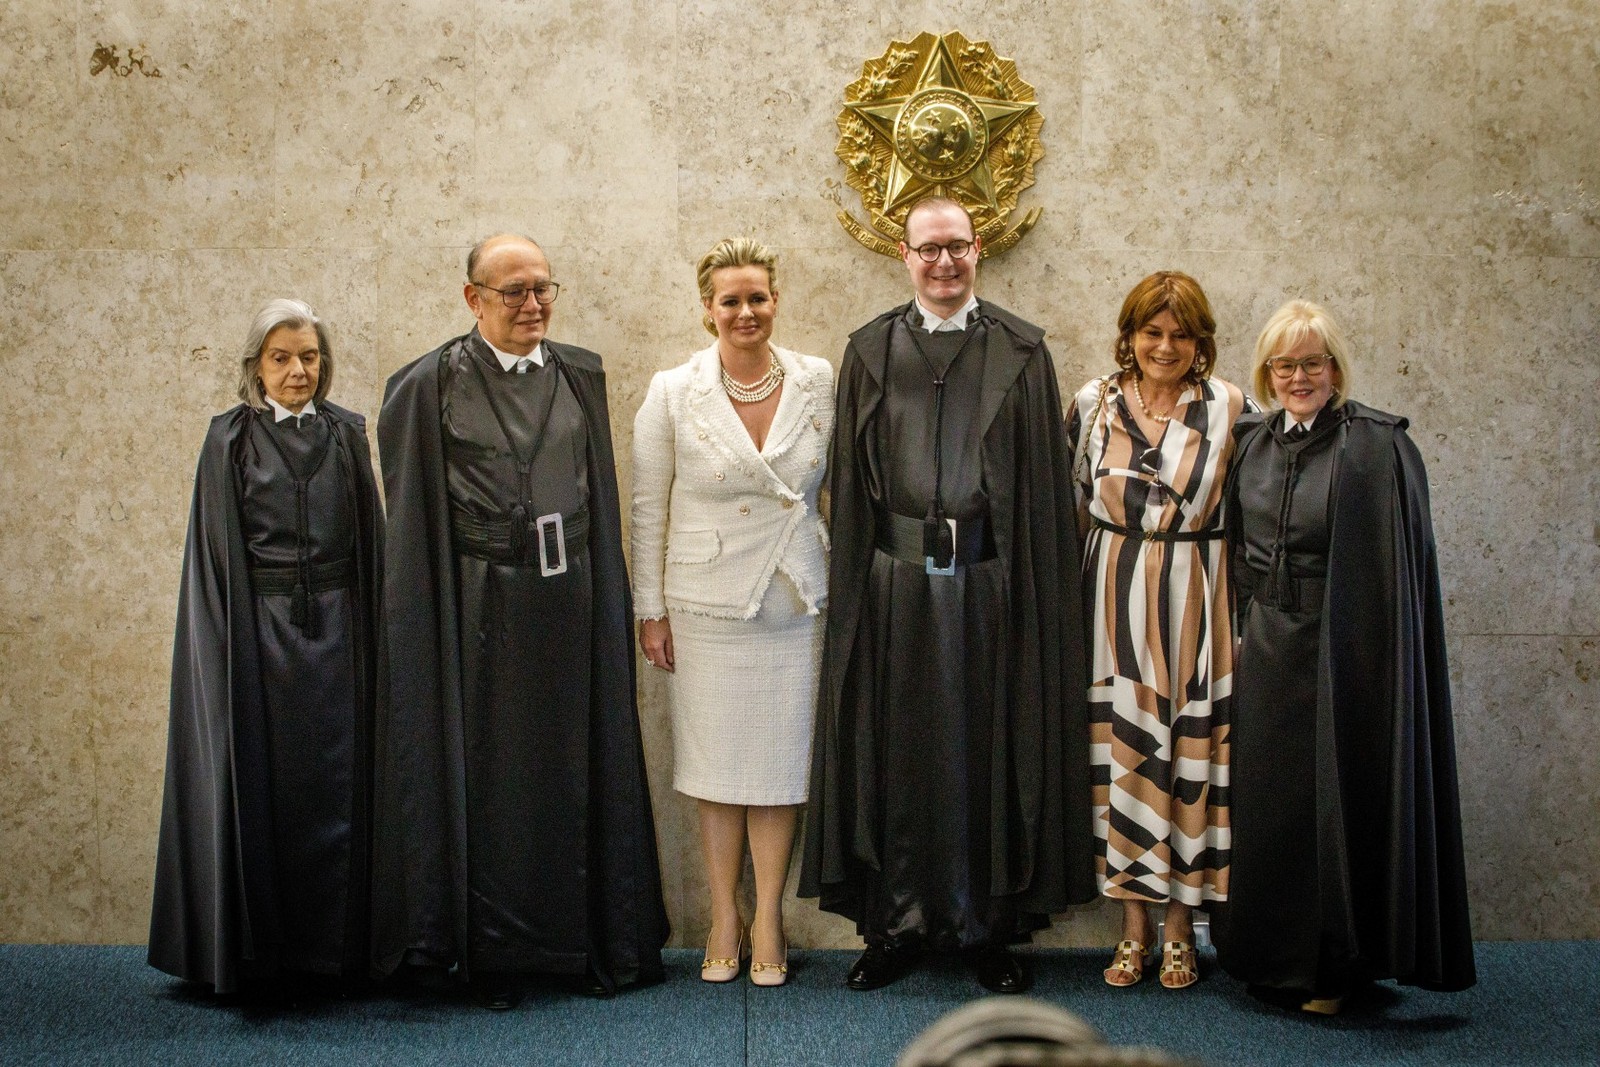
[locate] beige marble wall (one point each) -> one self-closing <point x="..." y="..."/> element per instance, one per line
<point x="1424" y="167"/>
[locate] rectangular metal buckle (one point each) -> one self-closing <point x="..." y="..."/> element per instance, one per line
<point x="542" y="525"/>
<point x="945" y="571"/>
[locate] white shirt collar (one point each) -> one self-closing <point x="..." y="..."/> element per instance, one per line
<point x="1290" y="422"/>
<point x="508" y="362"/>
<point x="934" y="324"/>
<point x="279" y="412"/>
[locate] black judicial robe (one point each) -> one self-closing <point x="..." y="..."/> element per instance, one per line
<point x="1388" y="895"/>
<point x="1039" y="840"/>
<point x="422" y="884"/>
<point x="217" y="915"/>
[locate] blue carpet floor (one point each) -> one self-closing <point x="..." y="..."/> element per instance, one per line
<point x="102" y="1005"/>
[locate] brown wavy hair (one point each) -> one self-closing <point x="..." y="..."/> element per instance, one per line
<point x="1174" y="291"/>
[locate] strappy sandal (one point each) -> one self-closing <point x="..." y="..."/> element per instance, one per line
<point x="1178" y="970"/>
<point x="1128" y="959"/>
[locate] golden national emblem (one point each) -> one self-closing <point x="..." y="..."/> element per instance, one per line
<point x="939" y="116"/>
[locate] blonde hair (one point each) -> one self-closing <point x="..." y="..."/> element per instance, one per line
<point x="1287" y="327"/>
<point x="297" y="315"/>
<point x="734" y="252"/>
<point x="1174" y="291"/>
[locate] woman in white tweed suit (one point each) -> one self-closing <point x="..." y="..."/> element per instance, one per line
<point x="730" y="578"/>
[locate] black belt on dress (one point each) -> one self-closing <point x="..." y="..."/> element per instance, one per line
<point x="901" y="536"/>
<point x="1157" y="535"/>
<point x="280" y="579"/>
<point x="545" y="541"/>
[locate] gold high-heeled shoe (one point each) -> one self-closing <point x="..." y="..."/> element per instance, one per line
<point x="770" y="974"/>
<point x="725" y="968"/>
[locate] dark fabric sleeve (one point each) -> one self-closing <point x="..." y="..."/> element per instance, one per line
<point x="841" y="807"/>
<point x="631" y="921"/>
<point x="213" y="919"/>
<point x="366" y="625"/>
<point x="1043" y="834"/>
<point x="418" y="801"/>
<point x="1443" y="956"/>
<point x="1388" y="797"/>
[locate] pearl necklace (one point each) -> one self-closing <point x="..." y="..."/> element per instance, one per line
<point x="757" y="392"/>
<point x="1138" y="395"/>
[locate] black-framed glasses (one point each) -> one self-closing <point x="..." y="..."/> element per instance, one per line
<point x="957" y="249"/>
<point x="543" y="294"/>
<point x="1283" y="368"/>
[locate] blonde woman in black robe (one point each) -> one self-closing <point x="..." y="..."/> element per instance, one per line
<point x="1347" y="857"/>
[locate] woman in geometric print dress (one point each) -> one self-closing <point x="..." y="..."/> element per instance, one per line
<point x="1153" y="441"/>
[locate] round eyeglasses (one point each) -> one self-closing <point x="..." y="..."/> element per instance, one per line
<point x="957" y="249"/>
<point x="1284" y="368"/>
<point x="543" y="294"/>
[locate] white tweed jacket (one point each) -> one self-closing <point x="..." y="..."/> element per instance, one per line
<point x="713" y="519"/>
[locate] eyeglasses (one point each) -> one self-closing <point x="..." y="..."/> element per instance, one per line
<point x="957" y="249"/>
<point x="1284" y="368"/>
<point x="544" y="293"/>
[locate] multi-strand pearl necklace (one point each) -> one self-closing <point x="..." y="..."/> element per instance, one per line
<point x="1138" y="395"/>
<point x="757" y="392"/>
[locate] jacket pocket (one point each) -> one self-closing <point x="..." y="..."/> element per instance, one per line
<point x="693" y="546"/>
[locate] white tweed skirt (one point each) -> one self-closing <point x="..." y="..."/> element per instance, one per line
<point x="744" y="697"/>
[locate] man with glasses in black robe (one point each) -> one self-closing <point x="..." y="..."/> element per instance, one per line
<point x="950" y="804"/>
<point x="514" y="832"/>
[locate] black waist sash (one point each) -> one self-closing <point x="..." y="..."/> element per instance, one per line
<point x="1288" y="592"/>
<point x="279" y="580"/>
<point x="545" y="541"/>
<point x="902" y="537"/>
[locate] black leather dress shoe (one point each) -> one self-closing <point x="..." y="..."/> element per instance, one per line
<point x="998" y="971"/>
<point x="880" y="965"/>
<point x="591" y="985"/>
<point x="496" y="992"/>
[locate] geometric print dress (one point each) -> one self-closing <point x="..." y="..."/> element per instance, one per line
<point x="1161" y="639"/>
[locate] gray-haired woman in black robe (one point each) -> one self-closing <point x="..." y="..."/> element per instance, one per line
<point x="262" y="867"/>
<point x="1347" y="856"/>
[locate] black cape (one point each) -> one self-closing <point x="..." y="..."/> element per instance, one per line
<point x="420" y="856"/>
<point x="214" y="918"/>
<point x="1391" y="869"/>
<point x="1042" y="844"/>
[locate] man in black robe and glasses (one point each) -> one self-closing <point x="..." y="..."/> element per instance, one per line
<point x="950" y="804"/>
<point x="514" y="833"/>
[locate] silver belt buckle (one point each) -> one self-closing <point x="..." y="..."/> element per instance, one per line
<point x="540" y="525"/>
<point x="945" y="571"/>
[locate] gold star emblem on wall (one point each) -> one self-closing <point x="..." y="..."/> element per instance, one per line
<point x="939" y="116"/>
